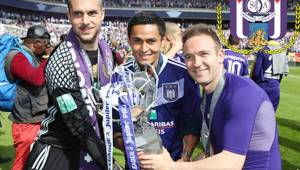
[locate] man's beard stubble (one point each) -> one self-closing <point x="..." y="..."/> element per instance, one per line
<point x="89" y="41"/>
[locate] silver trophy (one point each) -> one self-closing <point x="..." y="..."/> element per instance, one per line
<point x="144" y="94"/>
<point x="142" y="90"/>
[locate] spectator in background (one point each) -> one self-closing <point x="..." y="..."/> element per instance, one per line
<point x="172" y="43"/>
<point x="268" y="71"/>
<point x="234" y="62"/>
<point x="117" y="55"/>
<point x="31" y="103"/>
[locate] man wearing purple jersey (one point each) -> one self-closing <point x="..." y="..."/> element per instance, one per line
<point x="234" y="62"/>
<point x="176" y="112"/>
<point x="267" y="74"/>
<point x="237" y="132"/>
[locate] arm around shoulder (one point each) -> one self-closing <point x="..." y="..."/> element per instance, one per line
<point x="224" y="160"/>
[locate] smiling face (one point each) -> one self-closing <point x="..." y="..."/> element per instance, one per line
<point x="145" y="42"/>
<point x="204" y="60"/>
<point x="86" y="17"/>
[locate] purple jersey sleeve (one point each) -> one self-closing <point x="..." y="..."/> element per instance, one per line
<point x="238" y="127"/>
<point x="244" y="123"/>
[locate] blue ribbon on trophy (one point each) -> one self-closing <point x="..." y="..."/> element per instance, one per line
<point x="134" y="93"/>
<point x="128" y="131"/>
<point x="95" y="95"/>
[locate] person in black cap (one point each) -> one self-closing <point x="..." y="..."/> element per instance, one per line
<point x="31" y="100"/>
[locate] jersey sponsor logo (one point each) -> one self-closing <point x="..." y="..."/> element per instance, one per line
<point x="170" y="91"/>
<point x="153" y="115"/>
<point x="161" y="126"/>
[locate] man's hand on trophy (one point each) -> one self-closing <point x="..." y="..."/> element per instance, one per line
<point x="162" y="161"/>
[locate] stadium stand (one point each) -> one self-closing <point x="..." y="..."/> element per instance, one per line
<point x="16" y="22"/>
<point x="206" y="4"/>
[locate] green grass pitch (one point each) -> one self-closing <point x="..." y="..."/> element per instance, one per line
<point x="288" y="121"/>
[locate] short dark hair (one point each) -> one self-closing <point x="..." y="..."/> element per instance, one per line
<point x="68" y="2"/>
<point x="199" y="29"/>
<point x="144" y="18"/>
<point x="232" y="40"/>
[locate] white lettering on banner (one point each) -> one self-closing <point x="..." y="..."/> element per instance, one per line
<point x="81" y="78"/>
<point x="132" y="159"/>
<point x="83" y="90"/>
<point x="87" y="101"/>
<point x="129" y="135"/>
<point x="159" y="125"/>
<point x="107" y="123"/>
<point x="124" y="112"/>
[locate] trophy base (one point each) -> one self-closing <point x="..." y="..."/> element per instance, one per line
<point x="149" y="141"/>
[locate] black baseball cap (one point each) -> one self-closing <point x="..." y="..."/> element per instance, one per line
<point x="37" y="31"/>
